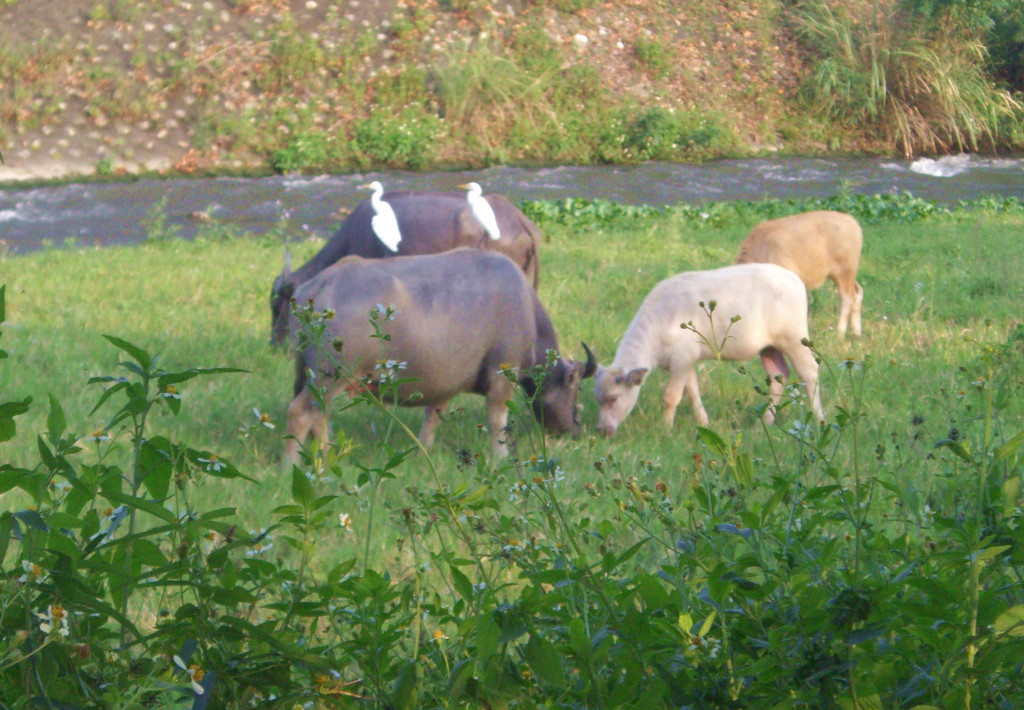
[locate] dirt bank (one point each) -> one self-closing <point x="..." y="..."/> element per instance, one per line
<point x="110" y="87"/>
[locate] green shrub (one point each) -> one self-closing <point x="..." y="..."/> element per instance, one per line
<point x="405" y="140"/>
<point x="305" y="149"/>
<point x="662" y="134"/>
<point x="653" y="56"/>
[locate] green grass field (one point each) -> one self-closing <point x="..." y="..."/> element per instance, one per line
<point x="933" y="290"/>
<point x="942" y="294"/>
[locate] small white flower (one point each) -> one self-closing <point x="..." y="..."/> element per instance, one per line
<point x="389" y="369"/>
<point x="263" y="417"/>
<point x="54" y="619"/>
<point x="112" y="515"/>
<point x="345" y="520"/>
<point x="33" y="572"/>
<point x="98" y="436"/>
<point x="61" y="488"/>
<point x="262" y="543"/>
<point x="260" y="549"/>
<point x="195" y="674"/>
<point x="213" y="463"/>
<point x="387" y="312"/>
<point x="170" y="392"/>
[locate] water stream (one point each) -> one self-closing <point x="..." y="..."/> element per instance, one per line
<point x="116" y="213"/>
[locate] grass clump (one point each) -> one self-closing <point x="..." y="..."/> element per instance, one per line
<point x="918" y="78"/>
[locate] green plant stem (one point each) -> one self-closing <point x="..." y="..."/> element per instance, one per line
<point x="975" y="569"/>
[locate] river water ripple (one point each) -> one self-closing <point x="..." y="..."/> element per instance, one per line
<point x="116" y="213"/>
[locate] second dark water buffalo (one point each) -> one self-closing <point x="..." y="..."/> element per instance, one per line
<point x="430" y="222"/>
<point x="457" y="322"/>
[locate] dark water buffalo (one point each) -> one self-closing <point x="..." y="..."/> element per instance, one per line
<point x="460" y="320"/>
<point x="430" y="222"/>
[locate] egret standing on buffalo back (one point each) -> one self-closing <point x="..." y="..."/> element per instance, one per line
<point x="481" y="209"/>
<point x="385" y="224"/>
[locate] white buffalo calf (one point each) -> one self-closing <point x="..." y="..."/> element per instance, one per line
<point x="817" y="246"/>
<point x="673" y="331"/>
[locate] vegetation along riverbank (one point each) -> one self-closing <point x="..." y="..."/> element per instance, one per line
<point x="155" y="555"/>
<point x="105" y="86"/>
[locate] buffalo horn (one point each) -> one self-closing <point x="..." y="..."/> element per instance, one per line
<point x="591" y="366"/>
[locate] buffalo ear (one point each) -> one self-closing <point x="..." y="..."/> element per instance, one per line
<point x="633" y="378"/>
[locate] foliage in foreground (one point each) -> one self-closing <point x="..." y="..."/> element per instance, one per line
<point x="790" y="582"/>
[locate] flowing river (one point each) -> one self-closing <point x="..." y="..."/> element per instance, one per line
<point x="120" y="212"/>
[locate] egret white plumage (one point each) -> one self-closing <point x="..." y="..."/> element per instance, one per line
<point x="384" y="222"/>
<point x="481" y="209"/>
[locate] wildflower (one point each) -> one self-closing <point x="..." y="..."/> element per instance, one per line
<point x="261" y="543"/>
<point x="439" y="636"/>
<point x="98" y="436"/>
<point x="170" y="392"/>
<point x="263" y="417"/>
<point x="517" y="489"/>
<point x="195" y="674"/>
<point x="111" y="519"/>
<point x="60" y="488"/>
<point x="345" y="520"/>
<point x="387" y="312"/>
<point x="512" y="546"/>
<point x="213" y="463"/>
<point x="389" y="369"/>
<point x="54" y="619"/>
<point x="260" y="549"/>
<point x="33" y="572"/>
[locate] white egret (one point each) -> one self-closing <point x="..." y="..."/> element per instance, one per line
<point x="482" y="210"/>
<point x="385" y="224"/>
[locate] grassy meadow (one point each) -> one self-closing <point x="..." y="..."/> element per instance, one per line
<point x="923" y="411"/>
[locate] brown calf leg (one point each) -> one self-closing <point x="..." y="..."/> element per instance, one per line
<point x="850" y="297"/>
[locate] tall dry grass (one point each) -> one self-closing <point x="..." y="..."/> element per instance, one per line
<point x="918" y="80"/>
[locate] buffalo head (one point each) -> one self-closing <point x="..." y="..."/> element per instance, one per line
<point x="555" y="404"/>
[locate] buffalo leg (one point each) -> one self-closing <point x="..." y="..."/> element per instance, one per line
<point x="807" y="369"/>
<point x="777" y="370"/>
<point x="680" y="383"/>
<point x="304" y="416"/>
<point x="497" y="415"/>
<point x="431" y="418"/>
<point x="692" y="391"/>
